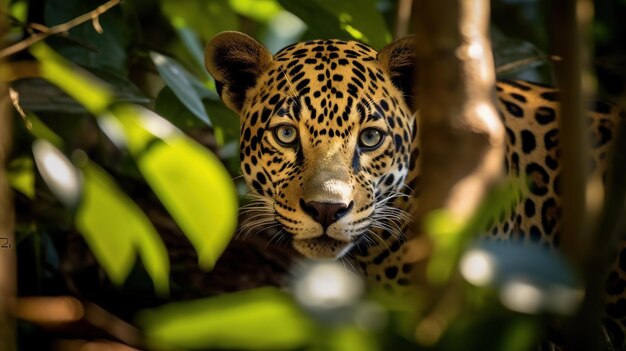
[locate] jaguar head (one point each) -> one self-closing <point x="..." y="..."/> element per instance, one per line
<point x="326" y="133"/>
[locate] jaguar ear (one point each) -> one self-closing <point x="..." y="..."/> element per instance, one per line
<point x="398" y="59"/>
<point x="235" y="61"/>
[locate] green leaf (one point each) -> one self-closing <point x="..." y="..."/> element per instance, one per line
<point x="170" y="107"/>
<point x="351" y="339"/>
<point x="22" y="176"/>
<point x="191" y="41"/>
<point x="190" y="181"/>
<point x="357" y="19"/>
<point x="225" y="123"/>
<point x="79" y="84"/>
<point x="116" y="230"/>
<point x="175" y="77"/>
<point x="259" y="10"/>
<point x="450" y="236"/>
<point x="260" y="319"/>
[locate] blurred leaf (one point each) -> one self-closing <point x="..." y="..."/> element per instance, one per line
<point x="116" y="230"/>
<point x="260" y="319"/>
<point x="59" y="174"/>
<point x="19" y="10"/>
<point x="351" y="339"/>
<point x="38" y="95"/>
<point x="82" y="86"/>
<point x="259" y="10"/>
<point x="358" y="19"/>
<point x="283" y="29"/>
<point x="176" y="78"/>
<point x="106" y="50"/>
<point x="479" y="330"/>
<point x="22" y="176"/>
<point x="451" y="236"/>
<point x="206" y="18"/>
<point x="190" y="181"/>
<point x="39" y="129"/>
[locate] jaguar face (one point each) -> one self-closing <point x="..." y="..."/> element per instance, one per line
<point x="326" y="133"/>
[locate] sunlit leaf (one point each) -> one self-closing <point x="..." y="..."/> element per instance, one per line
<point x="190" y="181"/>
<point x="175" y="77"/>
<point x="259" y="10"/>
<point x="261" y="319"/>
<point x="116" y="230"/>
<point x="22" y="176"/>
<point x="351" y="339"/>
<point x="19" y="10"/>
<point x="358" y="19"/>
<point x="62" y="178"/>
<point x="79" y="84"/>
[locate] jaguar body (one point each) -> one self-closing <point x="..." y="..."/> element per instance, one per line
<point x="329" y="143"/>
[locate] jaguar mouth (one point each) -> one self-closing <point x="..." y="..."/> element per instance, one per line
<point x="322" y="247"/>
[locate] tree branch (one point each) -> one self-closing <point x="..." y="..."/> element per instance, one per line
<point x="61" y="28"/>
<point x="461" y="135"/>
<point x="462" y="138"/>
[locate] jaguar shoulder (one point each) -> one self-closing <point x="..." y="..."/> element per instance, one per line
<point x="329" y="143"/>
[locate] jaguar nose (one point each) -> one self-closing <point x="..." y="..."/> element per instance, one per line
<point x="325" y="213"/>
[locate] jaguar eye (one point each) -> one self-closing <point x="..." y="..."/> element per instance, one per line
<point x="285" y="135"/>
<point x="370" y="138"/>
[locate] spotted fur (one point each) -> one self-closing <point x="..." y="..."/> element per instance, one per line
<point x="331" y="91"/>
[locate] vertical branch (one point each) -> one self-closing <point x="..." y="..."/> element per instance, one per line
<point x="403" y="18"/>
<point x="585" y="239"/>
<point x="462" y="138"/>
<point x="568" y="43"/>
<point x="7" y="255"/>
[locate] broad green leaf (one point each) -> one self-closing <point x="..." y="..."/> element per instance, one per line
<point x="170" y="107"/>
<point x="191" y="41"/>
<point x="22" y="176"/>
<point x="83" y="87"/>
<point x="357" y="19"/>
<point x="190" y="181"/>
<point x="175" y="77"/>
<point x="260" y="319"/>
<point x="116" y="230"/>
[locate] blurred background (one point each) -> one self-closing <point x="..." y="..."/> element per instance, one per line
<point x="124" y="175"/>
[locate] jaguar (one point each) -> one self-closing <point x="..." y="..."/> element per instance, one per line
<point x="329" y="145"/>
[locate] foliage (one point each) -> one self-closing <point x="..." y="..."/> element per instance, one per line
<point x="109" y="136"/>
